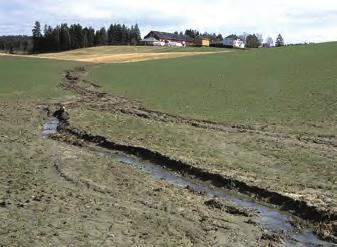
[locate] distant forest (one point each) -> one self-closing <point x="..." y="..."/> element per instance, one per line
<point x="64" y="37"/>
<point x="16" y="43"/>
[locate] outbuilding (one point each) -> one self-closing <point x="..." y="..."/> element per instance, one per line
<point x="202" y="41"/>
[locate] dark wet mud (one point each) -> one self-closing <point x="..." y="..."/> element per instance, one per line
<point x="273" y="220"/>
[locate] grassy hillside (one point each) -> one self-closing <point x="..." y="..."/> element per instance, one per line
<point x="290" y="85"/>
<point x="31" y="78"/>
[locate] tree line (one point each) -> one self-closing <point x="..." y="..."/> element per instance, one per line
<point x="256" y="40"/>
<point x="195" y="33"/>
<point x="250" y="40"/>
<point x="64" y="37"/>
<point x="16" y="43"/>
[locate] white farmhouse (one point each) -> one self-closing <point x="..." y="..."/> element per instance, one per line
<point x="238" y="43"/>
<point x="234" y="42"/>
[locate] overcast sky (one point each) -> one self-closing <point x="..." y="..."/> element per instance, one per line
<point x="297" y="20"/>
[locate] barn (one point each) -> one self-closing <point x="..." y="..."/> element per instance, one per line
<point x="171" y="39"/>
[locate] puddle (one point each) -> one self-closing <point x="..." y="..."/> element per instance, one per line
<point x="50" y="127"/>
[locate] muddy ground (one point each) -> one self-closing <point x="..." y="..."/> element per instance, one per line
<point x="301" y="166"/>
<point x="52" y="193"/>
<point x="60" y="195"/>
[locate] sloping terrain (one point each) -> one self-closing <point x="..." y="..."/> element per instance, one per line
<point x="124" y="54"/>
<point x="275" y="161"/>
<point x="53" y="193"/>
<point x="56" y="194"/>
<point x="291" y="88"/>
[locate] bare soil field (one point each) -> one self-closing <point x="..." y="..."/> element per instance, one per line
<point x="123" y="55"/>
<point x="56" y="194"/>
<point x="126" y="58"/>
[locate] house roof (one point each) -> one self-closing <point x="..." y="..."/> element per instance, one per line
<point x="232" y="36"/>
<point x="150" y="39"/>
<point x="170" y="36"/>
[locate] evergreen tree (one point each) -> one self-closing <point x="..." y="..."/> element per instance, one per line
<point x="76" y="36"/>
<point x="37" y="37"/>
<point x="49" y="39"/>
<point x="118" y="39"/>
<point x="101" y="37"/>
<point x="91" y="37"/>
<point x="65" y="41"/>
<point x="114" y="35"/>
<point x="64" y="37"/>
<point x="111" y="34"/>
<point x="124" y="35"/>
<point x="56" y="39"/>
<point x="192" y="33"/>
<point x="279" y="41"/>
<point x="97" y="38"/>
<point x="104" y="36"/>
<point x="85" y="37"/>
<point x="219" y="37"/>
<point x="138" y="37"/>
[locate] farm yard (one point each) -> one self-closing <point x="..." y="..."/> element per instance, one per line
<point x="263" y="119"/>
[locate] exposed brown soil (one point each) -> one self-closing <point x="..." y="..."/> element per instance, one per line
<point x="221" y="205"/>
<point x="126" y="58"/>
<point x="93" y="98"/>
<point x="117" y="58"/>
<point x="297" y="207"/>
<point x="54" y="194"/>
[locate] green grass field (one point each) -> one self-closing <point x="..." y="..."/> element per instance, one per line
<point x="289" y="86"/>
<point x="31" y="78"/>
<point x="290" y="89"/>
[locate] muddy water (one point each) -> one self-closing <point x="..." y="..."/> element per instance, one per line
<point x="50" y="127"/>
<point x="271" y="219"/>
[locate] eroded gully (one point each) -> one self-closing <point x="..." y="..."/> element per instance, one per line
<point x="272" y="219"/>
